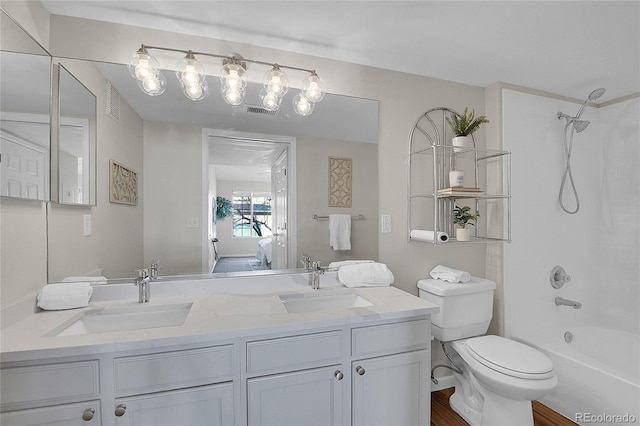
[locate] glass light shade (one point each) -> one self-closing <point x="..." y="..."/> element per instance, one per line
<point x="313" y="88"/>
<point x="301" y="105"/>
<point x="142" y="66"/>
<point x="153" y="86"/>
<point x="196" y="92"/>
<point x="276" y="81"/>
<point x="270" y="100"/>
<point x="233" y="77"/>
<point x="190" y="72"/>
<point x="232" y="96"/>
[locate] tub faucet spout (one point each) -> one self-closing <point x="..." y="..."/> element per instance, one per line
<point x="144" y="288"/>
<point x="566" y="302"/>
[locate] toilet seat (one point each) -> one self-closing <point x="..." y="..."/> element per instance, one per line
<point x="510" y="357"/>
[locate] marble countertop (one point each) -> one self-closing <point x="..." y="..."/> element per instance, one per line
<point x="223" y="309"/>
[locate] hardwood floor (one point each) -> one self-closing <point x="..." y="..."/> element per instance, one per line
<point x="443" y="415"/>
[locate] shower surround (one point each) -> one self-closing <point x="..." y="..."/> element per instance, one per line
<point x="599" y="248"/>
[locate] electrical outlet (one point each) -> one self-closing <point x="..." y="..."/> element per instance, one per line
<point x="385" y="223"/>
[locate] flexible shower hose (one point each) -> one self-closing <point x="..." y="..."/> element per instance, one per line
<point x="568" y="147"/>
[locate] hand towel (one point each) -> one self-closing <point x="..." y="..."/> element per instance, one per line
<point x="365" y="275"/>
<point x="59" y="296"/>
<point x="340" y="231"/>
<point x="444" y="273"/>
<point x="348" y="262"/>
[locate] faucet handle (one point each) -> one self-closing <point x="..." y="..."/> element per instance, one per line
<point x="142" y="273"/>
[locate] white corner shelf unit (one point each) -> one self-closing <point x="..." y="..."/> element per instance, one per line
<point x="431" y="200"/>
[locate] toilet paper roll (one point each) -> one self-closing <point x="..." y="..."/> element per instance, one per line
<point x="422" y="235"/>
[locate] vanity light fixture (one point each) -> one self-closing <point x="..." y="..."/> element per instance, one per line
<point x="233" y="79"/>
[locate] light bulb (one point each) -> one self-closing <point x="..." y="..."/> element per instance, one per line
<point x="234" y="77"/>
<point x="232" y="96"/>
<point x="189" y="71"/>
<point x="301" y="105"/>
<point x="276" y="81"/>
<point x="270" y="101"/>
<point x="153" y="86"/>
<point x="142" y="66"/>
<point x="196" y="92"/>
<point x="313" y="88"/>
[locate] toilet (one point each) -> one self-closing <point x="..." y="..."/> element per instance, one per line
<point x="500" y="377"/>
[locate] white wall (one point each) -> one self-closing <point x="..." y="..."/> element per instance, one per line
<point x="598" y="246"/>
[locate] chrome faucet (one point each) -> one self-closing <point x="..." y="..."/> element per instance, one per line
<point x="306" y="261"/>
<point x="314" y="277"/>
<point x="144" y="288"/>
<point x="154" y="266"/>
<point x="566" y="302"/>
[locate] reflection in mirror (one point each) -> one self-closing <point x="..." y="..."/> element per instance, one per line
<point x="76" y="141"/>
<point x="166" y="139"/>
<point x="24" y="124"/>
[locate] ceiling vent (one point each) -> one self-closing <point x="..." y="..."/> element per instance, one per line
<point x="252" y="109"/>
<point x="113" y="102"/>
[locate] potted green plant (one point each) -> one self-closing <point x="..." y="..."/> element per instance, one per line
<point x="463" y="217"/>
<point x="464" y="125"/>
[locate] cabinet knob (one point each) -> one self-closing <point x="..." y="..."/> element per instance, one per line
<point x="88" y="414"/>
<point x="120" y="410"/>
<point x="339" y="375"/>
<point x="360" y="370"/>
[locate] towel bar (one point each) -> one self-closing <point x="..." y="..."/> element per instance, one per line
<point x="354" y="217"/>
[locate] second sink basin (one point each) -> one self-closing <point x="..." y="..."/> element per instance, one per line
<point x="320" y="301"/>
<point x="125" y="318"/>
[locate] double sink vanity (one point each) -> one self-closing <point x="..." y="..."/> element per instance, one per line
<point x="251" y="350"/>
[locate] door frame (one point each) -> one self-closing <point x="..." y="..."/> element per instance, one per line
<point x="292" y="222"/>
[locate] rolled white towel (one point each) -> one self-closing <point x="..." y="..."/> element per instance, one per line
<point x="371" y="274"/>
<point x="444" y="273"/>
<point x="60" y="296"/>
<point x="342" y="263"/>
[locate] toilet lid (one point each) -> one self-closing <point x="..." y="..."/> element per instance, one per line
<point x="510" y="357"/>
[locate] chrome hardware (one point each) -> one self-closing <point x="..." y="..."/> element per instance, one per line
<point x="360" y="370"/>
<point x="154" y="267"/>
<point x="560" y="301"/>
<point x="315" y="275"/>
<point x="339" y="375"/>
<point x="558" y="277"/>
<point x="306" y="261"/>
<point x="120" y="410"/>
<point x="88" y="414"/>
<point x="568" y="337"/>
<point x="142" y="282"/>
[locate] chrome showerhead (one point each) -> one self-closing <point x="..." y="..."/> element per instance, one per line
<point x="596" y="94"/>
<point x="580" y="125"/>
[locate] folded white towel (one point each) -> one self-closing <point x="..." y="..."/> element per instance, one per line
<point x="59" y="296"/>
<point x="348" y="262"/>
<point x="371" y="274"/>
<point x="87" y="279"/>
<point x="340" y="231"/>
<point x="444" y="273"/>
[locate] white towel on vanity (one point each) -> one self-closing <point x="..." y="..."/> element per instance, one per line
<point x="59" y="296"/>
<point x="342" y="263"/>
<point x="371" y="274"/>
<point x="340" y="231"/>
<point x="444" y="273"/>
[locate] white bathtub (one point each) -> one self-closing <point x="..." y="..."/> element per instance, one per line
<point x="598" y="372"/>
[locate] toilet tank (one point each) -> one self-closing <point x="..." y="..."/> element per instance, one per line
<point x="465" y="308"/>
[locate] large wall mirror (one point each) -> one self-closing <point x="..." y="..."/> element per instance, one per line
<point x="76" y="140"/>
<point x="25" y="91"/>
<point x="185" y="153"/>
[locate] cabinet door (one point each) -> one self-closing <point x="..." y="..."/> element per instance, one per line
<point x="309" y="397"/>
<point x="206" y="405"/>
<point x="392" y="390"/>
<point x="80" y="414"/>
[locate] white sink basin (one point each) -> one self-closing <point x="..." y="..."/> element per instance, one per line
<point x="319" y="301"/>
<point x="125" y="318"/>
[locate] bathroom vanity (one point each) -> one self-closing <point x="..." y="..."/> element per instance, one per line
<point x="256" y="351"/>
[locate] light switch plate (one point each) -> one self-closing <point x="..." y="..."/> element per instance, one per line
<point x="385" y="223"/>
<point x="86" y="219"/>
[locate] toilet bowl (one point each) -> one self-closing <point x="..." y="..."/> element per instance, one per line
<point x="497" y="378"/>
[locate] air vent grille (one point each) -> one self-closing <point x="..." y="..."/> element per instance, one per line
<point x="252" y="109"/>
<point x="113" y="102"/>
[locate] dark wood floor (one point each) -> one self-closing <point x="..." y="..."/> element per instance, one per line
<point x="443" y="415"/>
